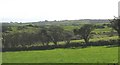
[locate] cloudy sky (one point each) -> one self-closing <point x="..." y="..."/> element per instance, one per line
<point x="38" y="10"/>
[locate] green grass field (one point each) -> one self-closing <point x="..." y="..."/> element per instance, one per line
<point x="0" y="57"/>
<point x="100" y="54"/>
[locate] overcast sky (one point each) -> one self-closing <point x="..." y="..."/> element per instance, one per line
<point x="38" y="10"/>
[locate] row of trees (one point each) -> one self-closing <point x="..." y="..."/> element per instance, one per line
<point x="42" y="35"/>
<point x="45" y="35"/>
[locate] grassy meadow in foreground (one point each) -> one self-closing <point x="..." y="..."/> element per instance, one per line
<point x="0" y="57"/>
<point x="100" y="54"/>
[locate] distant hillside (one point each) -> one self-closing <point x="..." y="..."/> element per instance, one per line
<point x="71" y="22"/>
<point x="62" y="22"/>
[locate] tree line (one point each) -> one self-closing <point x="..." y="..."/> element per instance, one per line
<point x="26" y="36"/>
<point x="41" y="35"/>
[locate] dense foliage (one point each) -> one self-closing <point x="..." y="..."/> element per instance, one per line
<point x="30" y="36"/>
<point x="115" y="23"/>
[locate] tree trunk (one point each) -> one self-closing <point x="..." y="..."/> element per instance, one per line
<point x="119" y="40"/>
<point x="86" y="41"/>
<point x="67" y="42"/>
<point x="43" y="44"/>
<point x="55" y="43"/>
<point x="47" y="43"/>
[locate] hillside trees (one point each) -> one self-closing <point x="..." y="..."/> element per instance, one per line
<point x="6" y="39"/>
<point x="18" y="37"/>
<point x="56" y="34"/>
<point x="44" y="36"/>
<point x="84" y="32"/>
<point x="27" y="36"/>
<point x="115" y="23"/>
<point x="6" y="28"/>
<point x="68" y="36"/>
